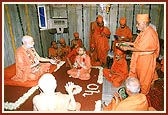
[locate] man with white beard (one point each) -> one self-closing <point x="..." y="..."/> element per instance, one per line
<point x="28" y="62"/>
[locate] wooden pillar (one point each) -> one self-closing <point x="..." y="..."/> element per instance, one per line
<point x="27" y="20"/>
<point x="10" y="28"/>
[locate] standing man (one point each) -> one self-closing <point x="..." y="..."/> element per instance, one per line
<point x="101" y="36"/>
<point x="93" y="26"/>
<point x="145" y="51"/>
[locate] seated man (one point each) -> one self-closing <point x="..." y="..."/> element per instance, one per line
<point x="65" y="49"/>
<point x="134" y="102"/>
<point x="93" y="56"/>
<point x="54" y="51"/>
<point x="82" y="66"/>
<point x="70" y="59"/>
<point x="76" y="40"/>
<point x="49" y="100"/>
<point x="119" y="69"/>
<point x="28" y="66"/>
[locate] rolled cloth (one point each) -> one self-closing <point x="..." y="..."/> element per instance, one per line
<point x="142" y="17"/>
<point x="123" y="20"/>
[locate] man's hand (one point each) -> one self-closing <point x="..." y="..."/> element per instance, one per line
<point x="69" y="87"/>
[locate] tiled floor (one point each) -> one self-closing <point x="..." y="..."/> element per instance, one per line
<point x="108" y="90"/>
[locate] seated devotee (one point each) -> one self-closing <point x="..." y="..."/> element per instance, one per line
<point x="28" y="62"/>
<point x="54" y="51"/>
<point x="134" y="102"/>
<point x="93" y="56"/>
<point x="49" y="100"/>
<point x="70" y="60"/>
<point x="65" y="49"/>
<point x="119" y="69"/>
<point x="76" y="40"/>
<point x="82" y="66"/>
<point x="124" y="32"/>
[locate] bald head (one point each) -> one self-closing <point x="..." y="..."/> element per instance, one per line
<point x="28" y="41"/>
<point x="47" y="83"/>
<point x="133" y="85"/>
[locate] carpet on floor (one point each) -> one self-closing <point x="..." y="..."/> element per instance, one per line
<point x="12" y="93"/>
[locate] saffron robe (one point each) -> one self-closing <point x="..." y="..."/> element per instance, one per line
<point x="101" y="42"/>
<point x="80" y="72"/>
<point x="120" y="67"/>
<point x="53" y="53"/>
<point x="64" y="52"/>
<point x="143" y="64"/>
<point x="24" y="59"/>
<point x="93" y="26"/>
<point x="126" y="32"/>
<point x="71" y="56"/>
<point x="137" y="102"/>
<point x="76" y="41"/>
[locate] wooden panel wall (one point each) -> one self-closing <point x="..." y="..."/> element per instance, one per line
<point x="21" y="19"/>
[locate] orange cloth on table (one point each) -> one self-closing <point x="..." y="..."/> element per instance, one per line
<point x="101" y="42"/>
<point x="143" y="64"/>
<point x="72" y="55"/>
<point x="24" y="59"/>
<point x="137" y="102"/>
<point x="80" y="72"/>
<point x="118" y="66"/>
<point x="126" y="32"/>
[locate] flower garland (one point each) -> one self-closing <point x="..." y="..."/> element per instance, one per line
<point x="21" y="100"/>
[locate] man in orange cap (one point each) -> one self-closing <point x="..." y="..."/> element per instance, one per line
<point x="93" y="56"/>
<point x="65" y="49"/>
<point x="93" y="26"/>
<point x="76" y="40"/>
<point x="145" y="51"/>
<point x="101" y="36"/>
<point x="119" y="69"/>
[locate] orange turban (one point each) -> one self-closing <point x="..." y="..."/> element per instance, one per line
<point x="123" y="20"/>
<point x="99" y="19"/>
<point x="142" y="17"/>
<point x="76" y="34"/>
<point x="92" y="46"/>
<point x="62" y="40"/>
